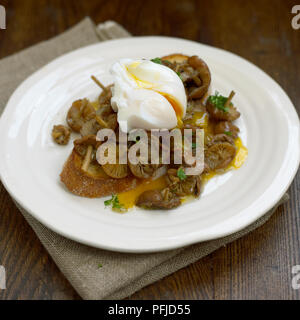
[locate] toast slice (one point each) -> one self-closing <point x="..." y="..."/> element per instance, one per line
<point x="94" y="183"/>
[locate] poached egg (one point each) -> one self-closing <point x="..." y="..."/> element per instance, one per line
<point x="147" y="95"/>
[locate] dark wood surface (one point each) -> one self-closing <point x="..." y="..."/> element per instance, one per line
<point x="257" y="266"/>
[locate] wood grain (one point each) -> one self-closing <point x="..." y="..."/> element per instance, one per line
<point x="257" y="266"/>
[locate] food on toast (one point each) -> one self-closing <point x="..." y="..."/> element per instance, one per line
<point x="150" y="186"/>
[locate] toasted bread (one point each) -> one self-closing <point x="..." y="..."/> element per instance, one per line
<point x="92" y="184"/>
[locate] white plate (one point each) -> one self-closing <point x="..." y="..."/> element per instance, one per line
<point x="31" y="162"/>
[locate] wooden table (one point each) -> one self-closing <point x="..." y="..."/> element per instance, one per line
<point x="257" y="266"/>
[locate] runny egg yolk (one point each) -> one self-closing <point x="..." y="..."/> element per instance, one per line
<point x="128" y="199"/>
<point x="241" y="154"/>
<point x="177" y="108"/>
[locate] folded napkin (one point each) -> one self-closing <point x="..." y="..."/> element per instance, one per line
<point x="121" y="274"/>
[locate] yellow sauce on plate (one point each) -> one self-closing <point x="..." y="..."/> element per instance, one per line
<point x="128" y="199"/>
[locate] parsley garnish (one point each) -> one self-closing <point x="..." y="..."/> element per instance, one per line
<point x="219" y="101"/>
<point x="229" y="133"/>
<point x="181" y="174"/>
<point x="114" y="203"/>
<point x="100" y="266"/>
<point x="156" y="60"/>
<point x="194" y="145"/>
<point x="159" y="61"/>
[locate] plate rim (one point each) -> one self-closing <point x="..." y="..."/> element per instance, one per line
<point x="177" y="243"/>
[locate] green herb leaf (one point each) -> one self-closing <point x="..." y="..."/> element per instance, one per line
<point x="107" y="202"/>
<point x="114" y="203"/>
<point x="194" y="145"/>
<point x="229" y="133"/>
<point x="100" y="266"/>
<point x="179" y="74"/>
<point x="159" y="61"/>
<point x="156" y="60"/>
<point x="181" y="174"/>
<point x="219" y="101"/>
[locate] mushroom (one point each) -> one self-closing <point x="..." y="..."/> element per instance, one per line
<point x="193" y="72"/>
<point x="202" y="80"/>
<point x="143" y="171"/>
<point x="91" y="127"/>
<point x="87" y="158"/>
<point x="80" y="112"/>
<point x="191" y="185"/>
<point x="61" y="134"/>
<point x="221" y="137"/>
<point x="106" y="94"/>
<point x="106" y="117"/>
<point x="86" y="147"/>
<point x="219" y="155"/>
<point x="187" y="73"/>
<point x="169" y="64"/>
<point x="195" y="105"/>
<point x="227" y="113"/>
<point x="156" y="199"/>
<point x="227" y="127"/>
<point x="80" y="145"/>
<point x="116" y="170"/>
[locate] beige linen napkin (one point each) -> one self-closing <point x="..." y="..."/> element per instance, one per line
<point x="121" y="274"/>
